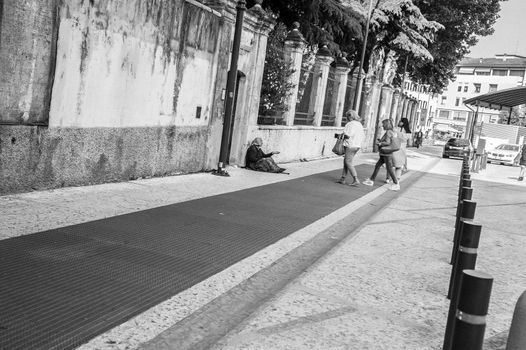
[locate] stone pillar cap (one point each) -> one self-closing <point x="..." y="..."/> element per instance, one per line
<point x="324" y="50"/>
<point x="295" y="34"/>
<point x="341" y="61"/>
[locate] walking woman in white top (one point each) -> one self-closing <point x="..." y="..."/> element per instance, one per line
<point x="354" y="136"/>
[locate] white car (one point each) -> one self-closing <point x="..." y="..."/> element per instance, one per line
<point x="505" y="154"/>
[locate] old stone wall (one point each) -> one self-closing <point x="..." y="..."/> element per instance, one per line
<point x="135" y="91"/>
<point x="27" y="53"/>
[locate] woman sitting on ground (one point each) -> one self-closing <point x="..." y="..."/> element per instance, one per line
<point x="257" y="160"/>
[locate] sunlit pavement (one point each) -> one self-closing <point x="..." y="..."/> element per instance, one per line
<point x="381" y="288"/>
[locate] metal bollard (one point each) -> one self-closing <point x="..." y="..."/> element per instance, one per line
<point x="466" y="213"/>
<point x="473" y="303"/>
<point x="465" y="193"/>
<point x="517" y="336"/>
<point x="466" y="183"/>
<point x="467" y="253"/>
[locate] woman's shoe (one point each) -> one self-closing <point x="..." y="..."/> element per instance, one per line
<point x="341" y="181"/>
<point x="395" y="187"/>
<point x="368" y="182"/>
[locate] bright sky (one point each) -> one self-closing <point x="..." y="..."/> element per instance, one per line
<point x="510" y="34"/>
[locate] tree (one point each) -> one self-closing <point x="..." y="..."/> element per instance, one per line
<point x="463" y="21"/>
<point x="518" y="116"/>
<point x="331" y="21"/>
<point x="274" y="88"/>
<point x="399" y="25"/>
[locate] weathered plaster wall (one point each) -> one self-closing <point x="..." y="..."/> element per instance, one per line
<point x="131" y="63"/>
<point x="137" y="91"/>
<point x="27" y="31"/>
<point x="296" y="142"/>
<point x="38" y="158"/>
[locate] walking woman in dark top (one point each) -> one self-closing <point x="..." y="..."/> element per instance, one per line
<point x="257" y="160"/>
<point x="386" y="159"/>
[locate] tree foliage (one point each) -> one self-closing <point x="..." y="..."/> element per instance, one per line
<point x="274" y="88"/>
<point x="399" y="25"/>
<point x="518" y="116"/>
<point x="463" y="21"/>
<point x="330" y="21"/>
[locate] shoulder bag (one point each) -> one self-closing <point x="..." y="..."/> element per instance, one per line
<point x="338" y="148"/>
<point x="393" y="147"/>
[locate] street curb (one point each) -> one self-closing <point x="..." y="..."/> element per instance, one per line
<point x="206" y="326"/>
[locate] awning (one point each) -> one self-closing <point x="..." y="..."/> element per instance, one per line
<point x="465" y="70"/>
<point x="445" y="128"/>
<point x="501" y="99"/>
<point x="482" y="70"/>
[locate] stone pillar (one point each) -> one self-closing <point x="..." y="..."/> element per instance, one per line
<point x="405" y="104"/>
<point x="383" y="110"/>
<point x="412" y="114"/>
<point x="319" y="84"/>
<point x="407" y="112"/>
<point x="393" y="114"/>
<point x="339" y="89"/>
<point x="370" y="103"/>
<point x="293" y="54"/>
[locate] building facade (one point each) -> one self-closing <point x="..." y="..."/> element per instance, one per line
<point x="477" y="76"/>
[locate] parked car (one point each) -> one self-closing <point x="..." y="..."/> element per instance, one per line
<point x="506" y="153"/>
<point x="455" y="147"/>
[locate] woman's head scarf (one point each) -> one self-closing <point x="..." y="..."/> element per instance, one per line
<point x="257" y="141"/>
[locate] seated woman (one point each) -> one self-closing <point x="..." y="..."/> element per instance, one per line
<point x="259" y="161"/>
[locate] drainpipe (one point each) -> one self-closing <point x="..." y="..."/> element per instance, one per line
<point x="230" y="90"/>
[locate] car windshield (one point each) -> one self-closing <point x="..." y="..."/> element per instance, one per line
<point x="505" y="147"/>
<point x="458" y="142"/>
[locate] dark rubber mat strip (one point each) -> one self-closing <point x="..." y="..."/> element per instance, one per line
<point x="62" y="287"/>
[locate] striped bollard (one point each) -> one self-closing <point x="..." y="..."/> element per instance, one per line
<point x="466" y="213"/>
<point x="466" y="255"/>
<point x="473" y="303"/>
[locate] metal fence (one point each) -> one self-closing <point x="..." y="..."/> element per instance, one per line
<point x="302" y="116"/>
<point x="327" y="119"/>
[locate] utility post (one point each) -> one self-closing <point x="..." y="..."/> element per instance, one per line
<point x="358" y="94"/>
<point x="230" y="90"/>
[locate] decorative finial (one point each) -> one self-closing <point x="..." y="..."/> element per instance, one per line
<point x="258" y="9"/>
<point x="323" y="49"/>
<point x="295" y="34"/>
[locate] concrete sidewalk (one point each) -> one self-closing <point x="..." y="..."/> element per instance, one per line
<point x="382" y="288"/>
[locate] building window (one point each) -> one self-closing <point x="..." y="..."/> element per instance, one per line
<point x="477" y="87"/>
<point x="492" y="87"/>
<point x="517" y="73"/>
<point x="457" y="101"/>
<point x="500" y="72"/>
<point x="459" y="115"/>
<point x="459" y="89"/>
<point x="466" y="88"/>
<point x="443" y="115"/>
<point x="443" y="102"/>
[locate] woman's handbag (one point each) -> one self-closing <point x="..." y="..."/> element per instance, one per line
<point x="338" y="148"/>
<point x="396" y="142"/>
